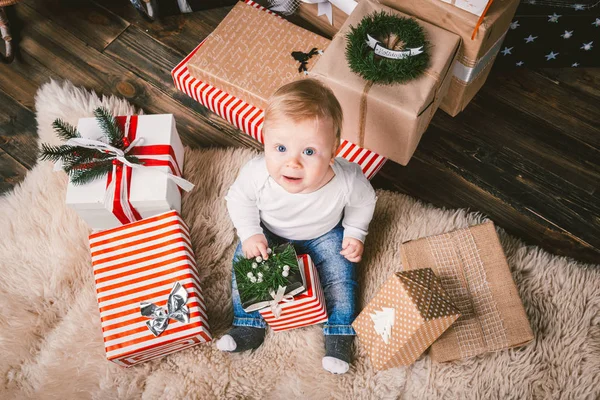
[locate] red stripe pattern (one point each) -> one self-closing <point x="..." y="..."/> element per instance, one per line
<point x="306" y="309"/>
<point x="140" y="262"/>
<point x="151" y="156"/>
<point x="249" y="118"/>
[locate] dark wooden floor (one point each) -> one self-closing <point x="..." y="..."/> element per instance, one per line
<point x="526" y="152"/>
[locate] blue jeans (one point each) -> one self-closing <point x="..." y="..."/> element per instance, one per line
<point x="336" y="273"/>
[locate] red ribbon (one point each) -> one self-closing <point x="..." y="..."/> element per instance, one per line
<point x="123" y="172"/>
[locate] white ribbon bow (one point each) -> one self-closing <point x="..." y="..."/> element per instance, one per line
<point x="288" y="7"/>
<point x="120" y="156"/>
<point x="278" y="298"/>
<point x="324" y="7"/>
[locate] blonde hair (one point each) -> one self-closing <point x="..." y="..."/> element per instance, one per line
<point x="305" y="99"/>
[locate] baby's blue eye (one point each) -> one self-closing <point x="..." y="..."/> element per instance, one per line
<point x="309" y="151"/>
<point x="281" y="148"/>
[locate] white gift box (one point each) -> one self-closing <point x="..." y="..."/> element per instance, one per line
<point x="476" y="7"/>
<point x="147" y="190"/>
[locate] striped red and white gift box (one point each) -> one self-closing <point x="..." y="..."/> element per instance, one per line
<point x="306" y="309"/>
<point x="249" y="118"/>
<point x="139" y="262"/>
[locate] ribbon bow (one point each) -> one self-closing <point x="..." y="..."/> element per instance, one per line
<point x="324" y="7"/>
<point x="278" y="298"/>
<point x="176" y="309"/>
<point x="288" y="7"/>
<point x="119" y="155"/>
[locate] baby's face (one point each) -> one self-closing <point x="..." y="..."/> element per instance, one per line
<point x="299" y="154"/>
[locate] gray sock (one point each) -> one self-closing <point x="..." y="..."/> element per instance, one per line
<point x="247" y="337"/>
<point x="339" y="346"/>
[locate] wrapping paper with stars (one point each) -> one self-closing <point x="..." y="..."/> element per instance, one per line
<point x="553" y="33"/>
<point x="410" y="311"/>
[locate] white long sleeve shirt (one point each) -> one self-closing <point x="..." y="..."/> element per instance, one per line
<point x="256" y="197"/>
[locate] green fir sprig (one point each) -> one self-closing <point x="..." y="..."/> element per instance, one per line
<point x="109" y="126"/>
<point x="257" y="278"/>
<point x="82" y="164"/>
<point x="388" y="29"/>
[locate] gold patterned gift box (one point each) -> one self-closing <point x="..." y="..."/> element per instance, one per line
<point x="408" y="313"/>
<point x="473" y="270"/>
<point x="249" y="55"/>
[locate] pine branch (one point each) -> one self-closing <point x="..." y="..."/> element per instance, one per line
<point x="84" y="156"/>
<point x="55" y="153"/>
<point x="93" y="172"/>
<point x="109" y="126"/>
<point x="64" y="130"/>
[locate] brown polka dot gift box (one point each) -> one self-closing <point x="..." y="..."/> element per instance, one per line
<point x="410" y="311"/>
<point x="473" y="270"/>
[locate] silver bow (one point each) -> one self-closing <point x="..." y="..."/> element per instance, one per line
<point x="176" y="309"/>
<point x="278" y="298"/>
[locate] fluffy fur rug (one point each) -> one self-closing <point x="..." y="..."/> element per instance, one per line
<point x="51" y="343"/>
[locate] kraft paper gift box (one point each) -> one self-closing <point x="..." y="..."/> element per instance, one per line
<point x="473" y="270"/>
<point x="478" y="50"/>
<point x="143" y="266"/>
<point x="396" y="115"/>
<point x="477" y="53"/>
<point x="249" y="55"/>
<point x="125" y="194"/>
<point x="249" y="117"/>
<point x="304" y="309"/>
<point x="406" y="315"/>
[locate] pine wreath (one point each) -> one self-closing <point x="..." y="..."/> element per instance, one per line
<point x="257" y="278"/>
<point x="394" y="33"/>
<point x="82" y="164"/>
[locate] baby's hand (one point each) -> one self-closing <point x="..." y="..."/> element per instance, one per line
<point x="255" y="246"/>
<point x="352" y="249"/>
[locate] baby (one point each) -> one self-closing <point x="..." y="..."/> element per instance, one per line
<point x="299" y="192"/>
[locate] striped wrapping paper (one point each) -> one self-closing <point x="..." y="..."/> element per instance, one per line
<point x="249" y="118"/>
<point x="139" y="262"/>
<point x="306" y="309"/>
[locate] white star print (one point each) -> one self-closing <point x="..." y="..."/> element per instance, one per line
<point x="575" y="65"/>
<point x="551" y="56"/>
<point x="519" y="63"/>
<point x="587" y="46"/>
<point x="506" y="51"/>
<point x="596" y="23"/>
<point x="567" y="34"/>
<point x="554" y="17"/>
<point x="514" y="25"/>
<point x="578" y="7"/>
<point x="530" y="39"/>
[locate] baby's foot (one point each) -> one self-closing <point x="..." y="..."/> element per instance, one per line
<point x="337" y="353"/>
<point x="241" y="338"/>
